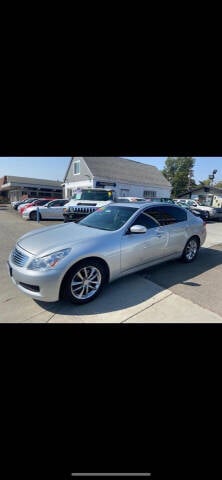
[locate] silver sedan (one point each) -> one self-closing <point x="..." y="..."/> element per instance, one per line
<point x="51" y="211"/>
<point x="75" y="260"/>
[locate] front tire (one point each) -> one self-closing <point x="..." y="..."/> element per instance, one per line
<point x="33" y="216"/>
<point x="191" y="250"/>
<point x="84" y="281"/>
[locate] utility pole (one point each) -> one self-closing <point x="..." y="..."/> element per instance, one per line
<point x="190" y="174"/>
<point x="211" y="177"/>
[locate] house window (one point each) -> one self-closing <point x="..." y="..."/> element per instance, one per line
<point x="76" y="167"/>
<point x="149" y="194"/>
<point x="124" y="192"/>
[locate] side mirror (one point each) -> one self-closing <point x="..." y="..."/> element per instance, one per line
<point x="138" y="229"/>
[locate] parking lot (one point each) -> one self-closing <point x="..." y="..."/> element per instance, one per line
<point x="173" y="292"/>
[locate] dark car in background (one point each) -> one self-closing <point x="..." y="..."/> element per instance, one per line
<point x="15" y="205"/>
<point x="193" y="208"/>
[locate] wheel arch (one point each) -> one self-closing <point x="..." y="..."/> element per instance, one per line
<point x="79" y="262"/>
<point x="195" y="236"/>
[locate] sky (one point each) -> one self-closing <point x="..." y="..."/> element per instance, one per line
<point x="54" y="168"/>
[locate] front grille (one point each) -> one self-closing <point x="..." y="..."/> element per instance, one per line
<point x="18" y="257"/>
<point x="33" y="288"/>
<point x="85" y="209"/>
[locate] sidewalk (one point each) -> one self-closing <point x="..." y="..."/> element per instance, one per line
<point x="134" y="300"/>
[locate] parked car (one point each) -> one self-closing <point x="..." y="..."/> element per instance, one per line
<point x="75" y="260"/>
<point x="15" y="205"/>
<point x="35" y="203"/>
<point x="50" y="211"/>
<point x="86" y="201"/>
<point x="130" y="199"/>
<point x="207" y="212"/>
<point x="194" y="209"/>
<point x="160" y="199"/>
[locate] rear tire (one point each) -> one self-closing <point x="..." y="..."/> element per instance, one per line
<point x="84" y="281"/>
<point x="191" y="250"/>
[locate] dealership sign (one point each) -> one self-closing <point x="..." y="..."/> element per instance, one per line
<point x="105" y="184"/>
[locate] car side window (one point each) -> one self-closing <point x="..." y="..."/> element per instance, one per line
<point x="145" y="220"/>
<point x="168" y="215"/>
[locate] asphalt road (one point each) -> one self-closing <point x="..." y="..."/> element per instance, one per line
<point x="196" y="285"/>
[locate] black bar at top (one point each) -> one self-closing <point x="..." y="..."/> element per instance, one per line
<point x="111" y="474"/>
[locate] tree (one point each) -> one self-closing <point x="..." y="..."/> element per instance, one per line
<point x="179" y="172"/>
<point x="205" y="183"/>
<point x="218" y="185"/>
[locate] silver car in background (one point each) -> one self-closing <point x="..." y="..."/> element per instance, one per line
<point x="75" y="260"/>
<point x="52" y="210"/>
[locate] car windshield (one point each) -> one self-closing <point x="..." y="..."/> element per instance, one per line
<point x="101" y="196"/>
<point x="108" y="218"/>
<point x="205" y="203"/>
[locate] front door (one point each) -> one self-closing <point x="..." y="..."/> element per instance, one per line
<point x="139" y="249"/>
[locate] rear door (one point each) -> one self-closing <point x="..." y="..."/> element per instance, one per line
<point x="173" y="220"/>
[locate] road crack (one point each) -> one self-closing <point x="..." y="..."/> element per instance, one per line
<point x="146" y="308"/>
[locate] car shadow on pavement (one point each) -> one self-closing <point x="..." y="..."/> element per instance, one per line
<point x="133" y="290"/>
<point x="176" y="272"/>
<point x="120" y="295"/>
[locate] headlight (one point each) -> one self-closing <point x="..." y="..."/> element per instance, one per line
<point x="50" y="261"/>
<point x="212" y="212"/>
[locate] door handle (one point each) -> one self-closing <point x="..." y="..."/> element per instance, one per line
<point x="159" y="233"/>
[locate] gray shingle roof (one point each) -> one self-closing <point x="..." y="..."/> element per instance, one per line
<point x="116" y="168"/>
<point x="33" y="181"/>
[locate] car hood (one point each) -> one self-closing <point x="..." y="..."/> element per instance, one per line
<point x="49" y="239"/>
<point x="76" y="203"/>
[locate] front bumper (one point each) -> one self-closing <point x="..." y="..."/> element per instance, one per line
<point x="217" y="213"/>
<point x="42" y="286"/>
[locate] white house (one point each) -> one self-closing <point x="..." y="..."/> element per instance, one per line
<point x="126" y="177"/>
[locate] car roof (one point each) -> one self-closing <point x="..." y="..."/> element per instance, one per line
<point x="143" y="204"/>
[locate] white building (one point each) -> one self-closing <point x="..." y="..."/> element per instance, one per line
<point x="18" y="188"/>
<point x="126" y="177"/>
